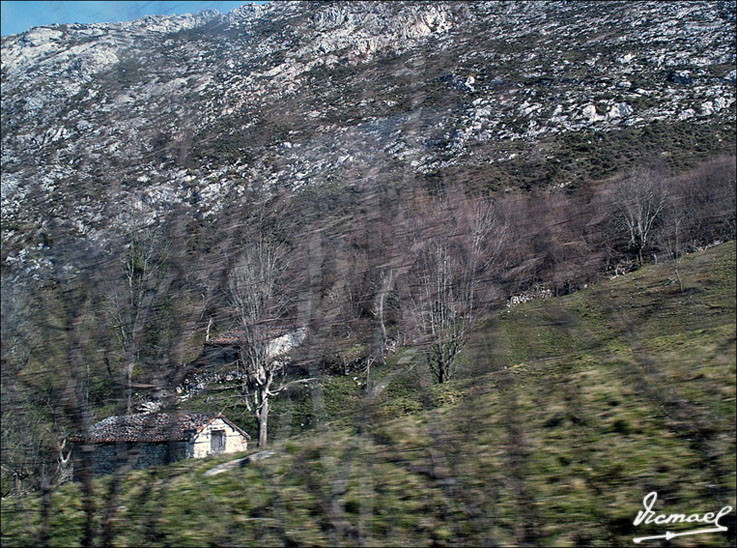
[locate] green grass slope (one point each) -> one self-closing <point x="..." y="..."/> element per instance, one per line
<point x="569" y="412"/>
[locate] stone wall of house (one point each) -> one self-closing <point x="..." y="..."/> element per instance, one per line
<point x="201" y="445"/>
<point x="108" y="456"/>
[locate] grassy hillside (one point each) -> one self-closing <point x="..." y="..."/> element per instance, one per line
<point x="568" y="413"/>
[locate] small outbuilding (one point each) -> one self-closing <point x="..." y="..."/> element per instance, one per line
<point x="149" y="439"/>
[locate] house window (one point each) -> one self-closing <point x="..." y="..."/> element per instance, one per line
<point x="217" y="440"/>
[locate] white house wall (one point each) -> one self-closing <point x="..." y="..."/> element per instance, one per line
<point x="281" y="345"/>
<point x="234" y="441"/>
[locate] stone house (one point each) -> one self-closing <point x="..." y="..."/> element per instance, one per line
<point x="149" y="439"/>
<point x="280" y="340"/>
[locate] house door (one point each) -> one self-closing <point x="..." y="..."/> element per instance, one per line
<point x="217" y="440"/>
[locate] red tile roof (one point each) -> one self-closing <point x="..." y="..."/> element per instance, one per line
<point x="151" y="427"/>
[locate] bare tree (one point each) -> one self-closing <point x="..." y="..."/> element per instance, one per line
<point x="456" y="243"/>
<point x="381" y="338"/>
<point x="709" y="198"/>
<point x="675" y="225"/>
<point x="639" y="200"/>
<point x="20" y="455"/>
<point x="132" y="302"/>
<point x="22" y="446"/>
<point x="258" y="302"/>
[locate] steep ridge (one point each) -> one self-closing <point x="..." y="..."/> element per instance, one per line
<point x="109" y="126"/>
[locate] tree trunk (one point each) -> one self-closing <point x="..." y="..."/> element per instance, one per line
<point x="128" y="387"/>
<point x="43" y="535"/>
<point x="263" y="418"/>
<point x="386" y="284"/>
<point x="676" y="256"/>
<point x="678" y="274"/>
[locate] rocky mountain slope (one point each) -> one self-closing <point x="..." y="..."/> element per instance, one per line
<point x="108" y="126"/>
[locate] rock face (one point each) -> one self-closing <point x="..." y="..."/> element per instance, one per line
<point x="107" y="126"/>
